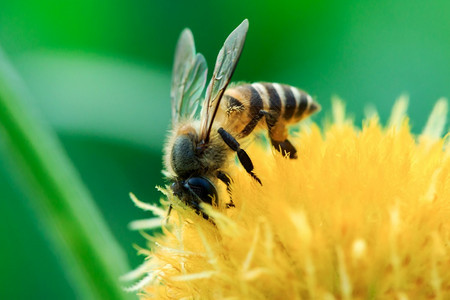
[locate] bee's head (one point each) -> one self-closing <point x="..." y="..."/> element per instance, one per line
<point x="194" y="191"/>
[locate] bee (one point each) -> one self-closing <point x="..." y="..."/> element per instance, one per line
<point x="200" y="149"/>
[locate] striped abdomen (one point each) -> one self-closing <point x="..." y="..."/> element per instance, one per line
<point x="245" y="106"/>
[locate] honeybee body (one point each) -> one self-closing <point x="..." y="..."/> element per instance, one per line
<point x="244" y="109"/>
<point x="200" y="150"/>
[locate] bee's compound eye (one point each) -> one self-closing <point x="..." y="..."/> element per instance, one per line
<point x="203" y="188"/>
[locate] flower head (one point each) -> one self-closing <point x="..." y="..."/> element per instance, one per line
<point x="362" y="213"/>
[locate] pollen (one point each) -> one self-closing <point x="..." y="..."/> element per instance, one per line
<point x="362" y="213"/>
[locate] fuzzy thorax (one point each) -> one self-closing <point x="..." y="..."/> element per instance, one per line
<point x="185" y="156"/>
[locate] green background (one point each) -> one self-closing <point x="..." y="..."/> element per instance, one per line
<point x="99" y="72"/>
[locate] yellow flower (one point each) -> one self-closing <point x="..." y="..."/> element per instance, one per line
<point x="361" y="214"/>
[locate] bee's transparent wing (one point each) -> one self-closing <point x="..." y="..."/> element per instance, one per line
<point x="188" y="78"/>
<point x="224" y="69"/>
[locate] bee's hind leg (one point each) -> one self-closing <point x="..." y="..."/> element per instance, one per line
<point x="278" y="135"/>
<point x="227" y="180"/>
<point x="285" y="147"/>
<point x="244" y="159"/>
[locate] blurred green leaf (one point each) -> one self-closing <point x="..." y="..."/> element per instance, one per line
<point x="90" y="254"/>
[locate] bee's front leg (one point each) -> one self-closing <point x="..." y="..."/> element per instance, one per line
<point x="227" y="180"/>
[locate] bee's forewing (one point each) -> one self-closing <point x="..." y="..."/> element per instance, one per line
<point x="195" y="84"/>
<point x="188" y="78"/>
<point x="225" y="65"/>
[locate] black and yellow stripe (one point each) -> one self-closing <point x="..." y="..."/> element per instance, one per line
<point x="279" y="103"/>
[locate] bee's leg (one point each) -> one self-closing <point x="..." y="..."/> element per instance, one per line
<point x="285" y="147"/>
<point x="278" y="135"/>
<point x="244" y="159"/>
<point x="227" y="180"/>
<point x="168" y="213"/>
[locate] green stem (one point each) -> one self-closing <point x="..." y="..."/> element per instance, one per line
<point x="91" y="256"/>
